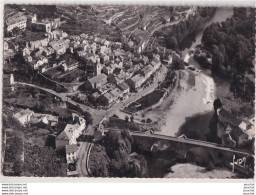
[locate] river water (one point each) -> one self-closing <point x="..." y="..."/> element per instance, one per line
<point x="221" y="15"/>
<point x="197" y="114"/>
<point x="191" y="101"/>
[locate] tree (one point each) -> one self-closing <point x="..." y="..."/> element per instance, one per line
<point x="88" y="117"/>
<point x="132" y="118"/>
<point x="16" y="31"/>
<point x="172" y="43"/>
<point x="126" y="119"/>
<point x="178" y="63"/>
<point x="217" y="104"/>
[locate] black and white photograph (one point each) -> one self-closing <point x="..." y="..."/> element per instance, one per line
<point x="128" y="91"/>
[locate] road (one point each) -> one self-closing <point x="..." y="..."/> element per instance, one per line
<point x="82" y="155"/>
<point x="193" y="142"/>
<point x="98" y="114"/>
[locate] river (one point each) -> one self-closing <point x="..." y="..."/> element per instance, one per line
<point x="191" y="101"/>
<point x="191" y="112"/>
<point x="221" y="15"/>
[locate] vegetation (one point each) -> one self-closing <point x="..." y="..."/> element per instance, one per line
<point x="232" y="45"/>
<point x="42" y="162"/>
<point x="118" y="161"/>
<point x="178" y="36"/>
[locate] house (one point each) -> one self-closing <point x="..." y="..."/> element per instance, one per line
<point x="225" y="116"/>
<point x="16" y="21"/>
<point x="233" y="126"/>
<point x="8" y="55"/>
<point x="38" y="43"/>
<point x="124" y="87"/>
<point x="44" y="118"/>
<point x="70" y="134"/>
<point x="53" y="120"/>
<point x="99" y="132"/>
<point x="107" y="99"/>
<point x="60" y="46"/>
<point x="240" y="137"/>
<point x="93" y="67"/>
<point x="94" y="97"/>
<point x="71" y="153"/>
<point x="147" y="71"/>
<point x="6" y="46"/>
<point x="155" y="64"/>
<point x="70" y="66"/>
<point x="37" y="118"/>
<point x="113" y="79"/>
<point x="104" y="58"/>
<point x="45" y="25"/>
<point x="84" y="36"/>
<point x="47" y="51"/>
<point x="26" y="52"/>
<point x="24" y="116"/>
<point x="57" y="34"/>
<point x="96" y="81"/>
<point x="117" y="93"/>
<point x="135" y="82"/>
<point x="108" y="69"/>
<point x="37" y="62"/>
<point x="106" y="88"/>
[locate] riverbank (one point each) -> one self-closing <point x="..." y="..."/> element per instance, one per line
<point x="193" y="171"/>
<point x="189" y="101"/>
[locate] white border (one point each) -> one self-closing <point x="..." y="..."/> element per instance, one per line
<point x="217" y="3"/>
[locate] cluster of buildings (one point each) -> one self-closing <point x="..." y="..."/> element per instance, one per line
<point x="67" y="139"/>
<point x="29" y="117"/>
<point x="110" y="87"/>
<point x="22" y="21"/>
<point x="34" y="42"/>
<point x="234" y="131"/>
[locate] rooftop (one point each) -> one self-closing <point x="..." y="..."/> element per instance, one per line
<point x="23" y="113"/>
<point x="68" y="132"/>
<point x="98" y="78"/>
<point x="137" y="78"/>
<point x="230" y="118"/>
<point x="123" y="86"/>
<point x="115" y="92"/>
<point x="71" y="148"/>
<point x="15" y="20"/>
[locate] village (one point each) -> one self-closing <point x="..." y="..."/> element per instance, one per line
<point x="92" y="74"/>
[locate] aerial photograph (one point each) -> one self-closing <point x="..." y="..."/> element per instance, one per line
<point x="126" y="91"/>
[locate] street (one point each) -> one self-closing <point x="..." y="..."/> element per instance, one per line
<point x="99" y="114"/>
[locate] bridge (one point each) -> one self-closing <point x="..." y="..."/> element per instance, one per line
<point x="187" y="141"/>
<point x="193" y="143"/>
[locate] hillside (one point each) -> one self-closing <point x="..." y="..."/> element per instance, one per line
<point x="232" y="46"/>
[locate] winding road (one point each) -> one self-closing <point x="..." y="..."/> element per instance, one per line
<point x="98" y="114"/>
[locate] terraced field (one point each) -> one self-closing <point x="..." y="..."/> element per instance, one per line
<point x="140" y="22"/>
<point x="136" y="23"/>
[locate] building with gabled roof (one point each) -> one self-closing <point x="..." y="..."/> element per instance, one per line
<point x="69" y="135"/>
<point x="24" y="116"/>
<point x="96" y="81"/>
<point x="19" y="22"/>
<point x="233" y="126"/>
<point x="135" y="82"/>
<point x="124" y="87"/>
<point x="71" y="153"/>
